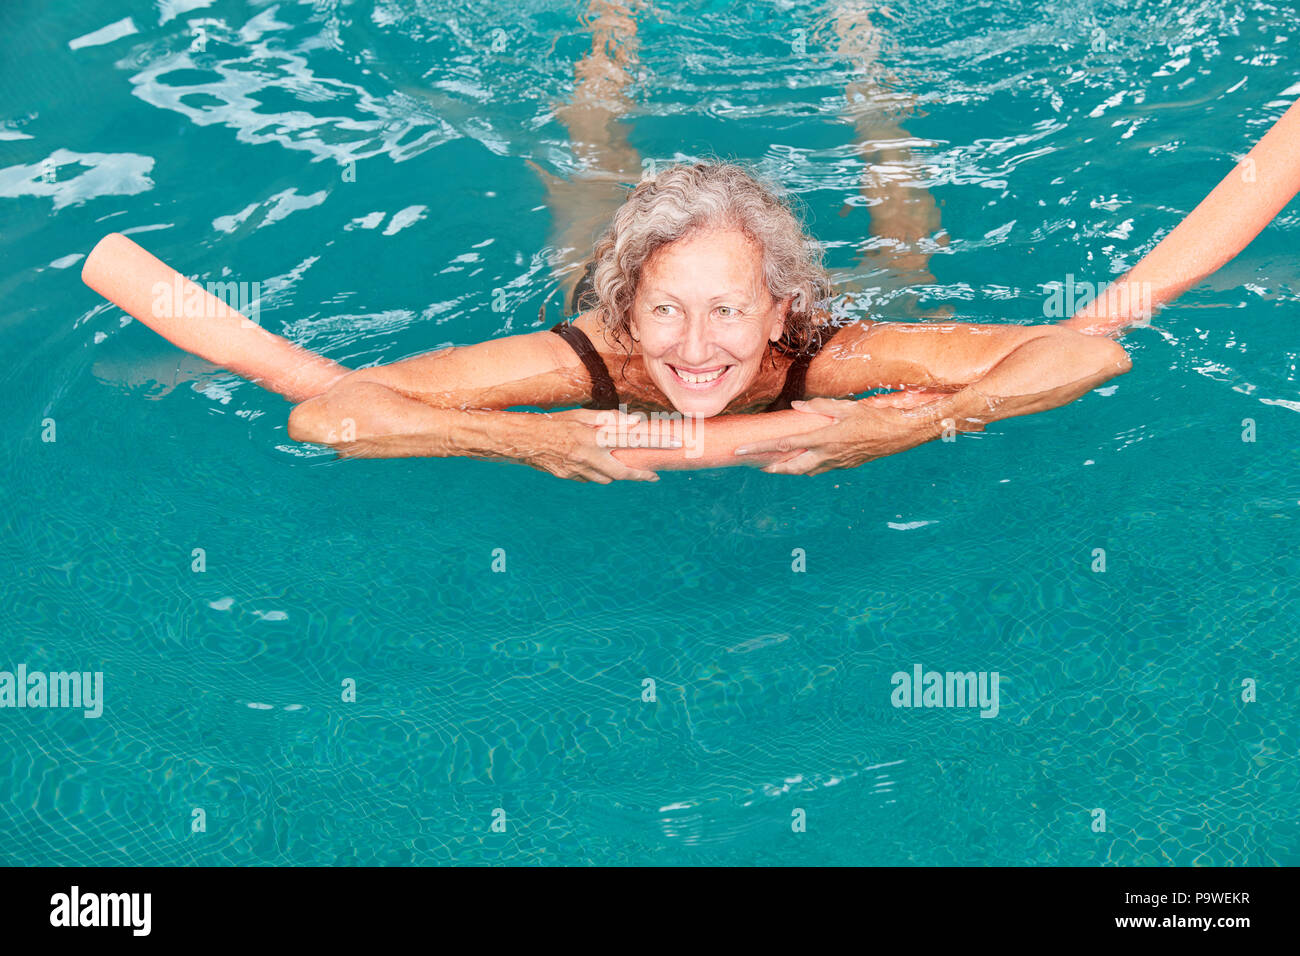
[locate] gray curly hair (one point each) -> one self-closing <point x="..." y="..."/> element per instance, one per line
<point x="687" y="197"/>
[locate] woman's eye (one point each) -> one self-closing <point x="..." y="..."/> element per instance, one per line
<point x="663" y="310"/>
<point x="727" y="311"/>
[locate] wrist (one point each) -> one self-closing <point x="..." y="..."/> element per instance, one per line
<point x="485" y="433"/>
<point x="965" y="410"/>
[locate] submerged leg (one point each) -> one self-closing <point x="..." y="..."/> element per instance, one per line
<point x="904" y="215"/>
<point x="583" y="204"/>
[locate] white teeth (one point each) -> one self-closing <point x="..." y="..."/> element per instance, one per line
<point x="698" y="379"/>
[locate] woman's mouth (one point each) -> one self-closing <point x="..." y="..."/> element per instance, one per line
<point x="700" y="379"/>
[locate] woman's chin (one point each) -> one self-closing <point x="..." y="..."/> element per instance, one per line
<point x="699" y="406"/>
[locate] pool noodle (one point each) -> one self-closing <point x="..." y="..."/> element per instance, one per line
<point x="1223" y="224"/>
<point x="160" y="297"/>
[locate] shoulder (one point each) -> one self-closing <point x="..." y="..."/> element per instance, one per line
<point x="849" y="360"/>
<point x="620" y="354"/>
<point x="531" y="368"/>
<point x="845" y="334"/>
<point x="601" y="336"/>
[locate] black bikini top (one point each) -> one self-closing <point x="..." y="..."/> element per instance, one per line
<point x="605" y="396"/>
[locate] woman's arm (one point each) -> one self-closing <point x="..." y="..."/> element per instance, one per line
<point x="946" y="356"/>
<point x="534" y="368"/>
<point x="364" y="419"/>
<point x="1044" y="371"/>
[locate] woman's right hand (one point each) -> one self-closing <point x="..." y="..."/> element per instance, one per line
<point x="911" y="397"/>
<point x="570" y="446"/>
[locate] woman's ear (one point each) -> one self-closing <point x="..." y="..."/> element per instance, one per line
<point x="782" y="316"/>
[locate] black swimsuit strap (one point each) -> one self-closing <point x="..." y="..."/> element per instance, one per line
<point x="796" y="375"/>
<point x="584" y="293"/>
<point x="603" y="393"/>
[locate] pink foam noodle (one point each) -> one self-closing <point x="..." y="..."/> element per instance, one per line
<point x="191" y="317"/>
<point x="1225" y="222"/>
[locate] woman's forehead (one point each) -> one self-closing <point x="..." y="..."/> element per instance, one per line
<point x="734" y="261"/>
<point x="687" y="284"/>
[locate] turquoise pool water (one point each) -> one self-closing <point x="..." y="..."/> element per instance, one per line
<point x="1054" y="143"/>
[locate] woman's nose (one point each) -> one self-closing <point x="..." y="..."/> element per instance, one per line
<point x="695" y="347"/>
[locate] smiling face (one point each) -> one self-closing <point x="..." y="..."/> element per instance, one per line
<point x="704" y="318"/>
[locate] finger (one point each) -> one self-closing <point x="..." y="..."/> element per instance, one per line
<point x="632" y="474"/>
<point x="780" y="461"/>
<point x="616" y="469"/>
<point x="887" y="400"/>
<point x="831" y="407"/>
<point x="629" y="431"/>
<point x="798" y="465"/>
<point x="785" y="445"/>
<point x="821" y="469"/>
<point x="588" y="416"/>
<point x="772" y="446"/>
<point x="922" y="396"/>
<point x="636" y="432"/>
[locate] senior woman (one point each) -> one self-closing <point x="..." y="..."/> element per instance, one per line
<point x="706" y="302"/>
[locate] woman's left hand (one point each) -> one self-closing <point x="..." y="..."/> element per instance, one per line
<point x="862" y="431"/>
